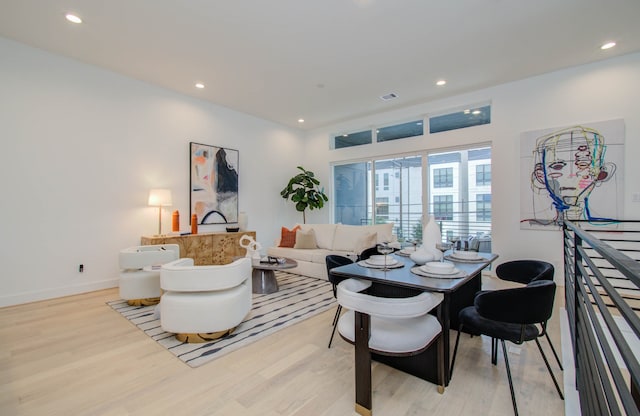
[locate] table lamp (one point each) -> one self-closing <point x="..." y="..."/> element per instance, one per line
<point x="160" y="198"/>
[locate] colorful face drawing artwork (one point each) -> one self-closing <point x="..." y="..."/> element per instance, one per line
<point x="569" y="165"/>
<point x="214" y="184"/>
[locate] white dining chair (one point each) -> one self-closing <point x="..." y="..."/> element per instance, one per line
<point x="386" y="326"/>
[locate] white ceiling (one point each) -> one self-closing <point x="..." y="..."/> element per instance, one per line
<point x="326" y="60"/>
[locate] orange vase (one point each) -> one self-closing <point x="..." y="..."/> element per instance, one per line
<point x="194" y="224"/>
<point x="175" y="223"/>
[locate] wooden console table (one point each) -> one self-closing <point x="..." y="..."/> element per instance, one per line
<point x="205" y="248"/>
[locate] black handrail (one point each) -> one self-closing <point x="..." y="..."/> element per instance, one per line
<point x="596" y="334"/>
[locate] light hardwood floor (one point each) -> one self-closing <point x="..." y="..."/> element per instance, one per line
<point x="76" y="356"/>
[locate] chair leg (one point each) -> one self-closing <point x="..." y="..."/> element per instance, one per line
<point x="546" y="362"/>
<point x="335" y="324"/>
<point x="554" y="351"/>
<point x="506" y="361"/>
<point x="494" y="351"/>
<point x="455" y="351"/>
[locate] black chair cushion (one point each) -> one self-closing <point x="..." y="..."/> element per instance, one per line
<point x="531" y="304"/>
<point x="525" y="271"/>
<point x="475" y="324"/>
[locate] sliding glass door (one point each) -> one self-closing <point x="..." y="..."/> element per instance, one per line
<point x="454" y="186"/>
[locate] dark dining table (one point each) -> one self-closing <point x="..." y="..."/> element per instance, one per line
<point x="458" y="293"/>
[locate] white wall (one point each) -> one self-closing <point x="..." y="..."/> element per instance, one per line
<point x="601" y="91"/>
<point x="82" y="146"/>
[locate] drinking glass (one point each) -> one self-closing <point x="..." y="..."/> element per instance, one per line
<point x="385" y="249"/>
<point x="443" y="247"/>
<point x="454" y="242"/>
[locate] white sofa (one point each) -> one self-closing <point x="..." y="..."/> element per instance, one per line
<point x="344" y="240"/>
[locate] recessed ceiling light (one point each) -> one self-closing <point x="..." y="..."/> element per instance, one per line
<point x="73" y="18"/>
<point x="476" y="112"/>
<point x="200" y="85"/>
<point x="441" y="82"/>
<point x="467" y="111"/>
<point x="300" y="120"/>
<point x="608" y="45"/>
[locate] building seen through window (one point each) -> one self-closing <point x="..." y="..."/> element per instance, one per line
<point x="456" y="190"/>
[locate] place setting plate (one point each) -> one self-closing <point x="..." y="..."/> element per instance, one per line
<point x="407" y="251"/>
<point x="377" y="262"/>
<point x="438" y="270"/>
<point x="465" y="257"/>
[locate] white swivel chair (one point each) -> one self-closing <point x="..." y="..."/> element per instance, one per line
<point x="396" y="326"/>
<point x="202" y="303"/>
<point x="141" y="287"/>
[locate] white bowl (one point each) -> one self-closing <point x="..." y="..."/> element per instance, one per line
<point x="421" y="257"/>
<point x="439" y="267"/>
<point x="379" y="260"/>
<point x="466" y="255"/>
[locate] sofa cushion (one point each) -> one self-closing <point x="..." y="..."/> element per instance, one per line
<point x="305" y="239"/>
<point x="347" y="236"/>
<point x="365" y="241"/>
<point x="288" y="237"/>
<point x="324" y="234"/>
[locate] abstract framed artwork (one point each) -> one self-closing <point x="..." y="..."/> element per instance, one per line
<point x="213" y="183"/>
<point x="574" y="173"/>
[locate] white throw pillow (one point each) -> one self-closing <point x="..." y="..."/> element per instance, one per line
<point x="305" y="239"/>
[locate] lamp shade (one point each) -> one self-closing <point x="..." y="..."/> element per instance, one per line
<point x="160" y="198"/>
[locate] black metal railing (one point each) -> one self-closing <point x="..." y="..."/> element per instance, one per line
<point x="602" y="299"/>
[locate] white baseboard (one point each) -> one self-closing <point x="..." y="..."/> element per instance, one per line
<point x="59" y="292"/>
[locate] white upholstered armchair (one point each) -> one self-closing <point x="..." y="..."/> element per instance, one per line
<point x="202" y="303"/>
<point x="137" y="285"/>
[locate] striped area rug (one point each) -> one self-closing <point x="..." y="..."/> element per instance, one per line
<point x="299" y="298"/>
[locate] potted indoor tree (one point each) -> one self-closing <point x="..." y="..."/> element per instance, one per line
<point x="303" y="191"/>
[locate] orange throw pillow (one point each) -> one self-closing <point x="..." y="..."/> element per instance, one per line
<point x="288" y="237"/>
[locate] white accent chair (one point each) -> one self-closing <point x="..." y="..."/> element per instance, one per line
<point x="138" y="286"/>
<point x="202" y="303"/>
<point x="392" y="326"/>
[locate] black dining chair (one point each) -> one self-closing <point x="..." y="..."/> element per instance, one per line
<point x="527" y="271"/>
<point x="333" y="261"/>
<point x="517" y="315"/>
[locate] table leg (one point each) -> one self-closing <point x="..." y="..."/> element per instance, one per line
<point x="362" y="364"/>
<point x="264" y="281"/>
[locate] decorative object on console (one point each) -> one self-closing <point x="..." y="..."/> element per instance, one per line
<point x="303" y="191"/>
<point x="243" y="221"/>
<point x="214" y="183"/>
<point x="160" y="198"/>
<point x="232" y="229"/>
<point x="175" y="221"/>
<point x="252" y="246"/>
<point x="194" y="224"/>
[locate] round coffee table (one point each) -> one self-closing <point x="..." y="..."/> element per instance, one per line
<point x="263" y="277"/>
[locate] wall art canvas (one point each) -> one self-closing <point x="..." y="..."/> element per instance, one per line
<point x="214" y="183"/>
<point x="573" y="173"/>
